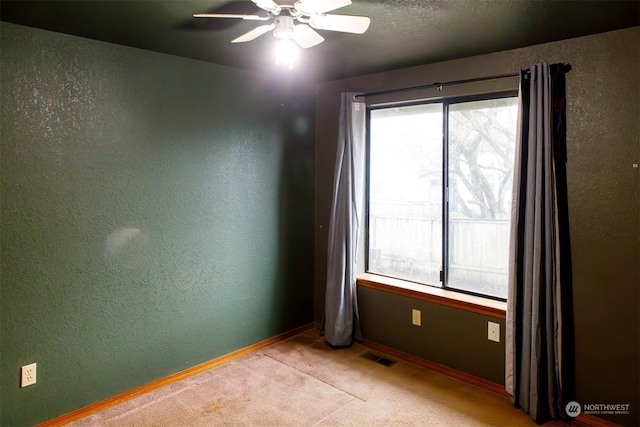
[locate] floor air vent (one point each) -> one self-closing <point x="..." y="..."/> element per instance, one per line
<point x="378" y="359"/>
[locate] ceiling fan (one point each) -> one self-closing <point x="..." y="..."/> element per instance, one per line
<point x="311" y="15"/>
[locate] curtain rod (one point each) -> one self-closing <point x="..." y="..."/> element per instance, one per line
<point x="438" y="85"/>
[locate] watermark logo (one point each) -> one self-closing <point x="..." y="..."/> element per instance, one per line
<point x="573" y="409"/>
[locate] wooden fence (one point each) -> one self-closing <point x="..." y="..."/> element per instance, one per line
<point x="405" y="241"/>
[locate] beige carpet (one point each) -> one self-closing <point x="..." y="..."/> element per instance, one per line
<point x="302" y="382"/>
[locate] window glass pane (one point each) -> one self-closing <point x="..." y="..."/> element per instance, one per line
<point x="405" y="193"/>
<point x="481" y="156"/>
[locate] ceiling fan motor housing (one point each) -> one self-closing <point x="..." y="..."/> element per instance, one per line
<point x="283" y="27"/>
<point x="310" y="14"/>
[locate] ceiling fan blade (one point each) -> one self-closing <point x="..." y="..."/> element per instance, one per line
<point x="269" y="5"/>
<point x="231" y="15"/>
<point x="253" y="34"/>
<point x="306" y="36"/>
<point x="343" y="23"/>
<point x="312" y="7"/>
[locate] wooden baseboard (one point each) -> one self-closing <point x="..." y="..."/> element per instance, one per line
<point x="468" y="378"/>
<point x="127" y="395"/>
<point x="584" y="420"/>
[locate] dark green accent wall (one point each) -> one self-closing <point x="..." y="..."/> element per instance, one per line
<point x="603" y="143"/>
<point x="156" y="213"/>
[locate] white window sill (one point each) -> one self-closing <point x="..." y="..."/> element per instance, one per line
<point x="434" y="295"/>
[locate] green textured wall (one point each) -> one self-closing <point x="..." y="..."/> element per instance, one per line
<point x="603" y="143"/>
<point x="157" y="213"/>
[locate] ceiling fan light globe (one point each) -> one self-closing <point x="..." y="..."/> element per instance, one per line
<point x="286" y="52"/>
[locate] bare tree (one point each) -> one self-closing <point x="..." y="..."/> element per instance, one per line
<point x="481" y="145"/>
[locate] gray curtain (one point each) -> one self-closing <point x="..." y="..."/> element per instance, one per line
<point x="539" y="326"/>
<point x="341" y="321"/>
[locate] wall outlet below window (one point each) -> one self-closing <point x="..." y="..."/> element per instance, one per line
<point x="416" y="317"/>
<point x="494" y="332"/>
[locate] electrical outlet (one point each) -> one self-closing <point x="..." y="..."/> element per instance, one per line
<point x="416" y="317"/>
<point x="494" y="332"/>
<point x="28" y="375"/>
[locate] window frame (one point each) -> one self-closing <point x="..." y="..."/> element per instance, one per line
<point x="446" y="102"/>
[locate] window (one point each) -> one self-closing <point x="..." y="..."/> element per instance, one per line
<point x="439" y="192"/>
